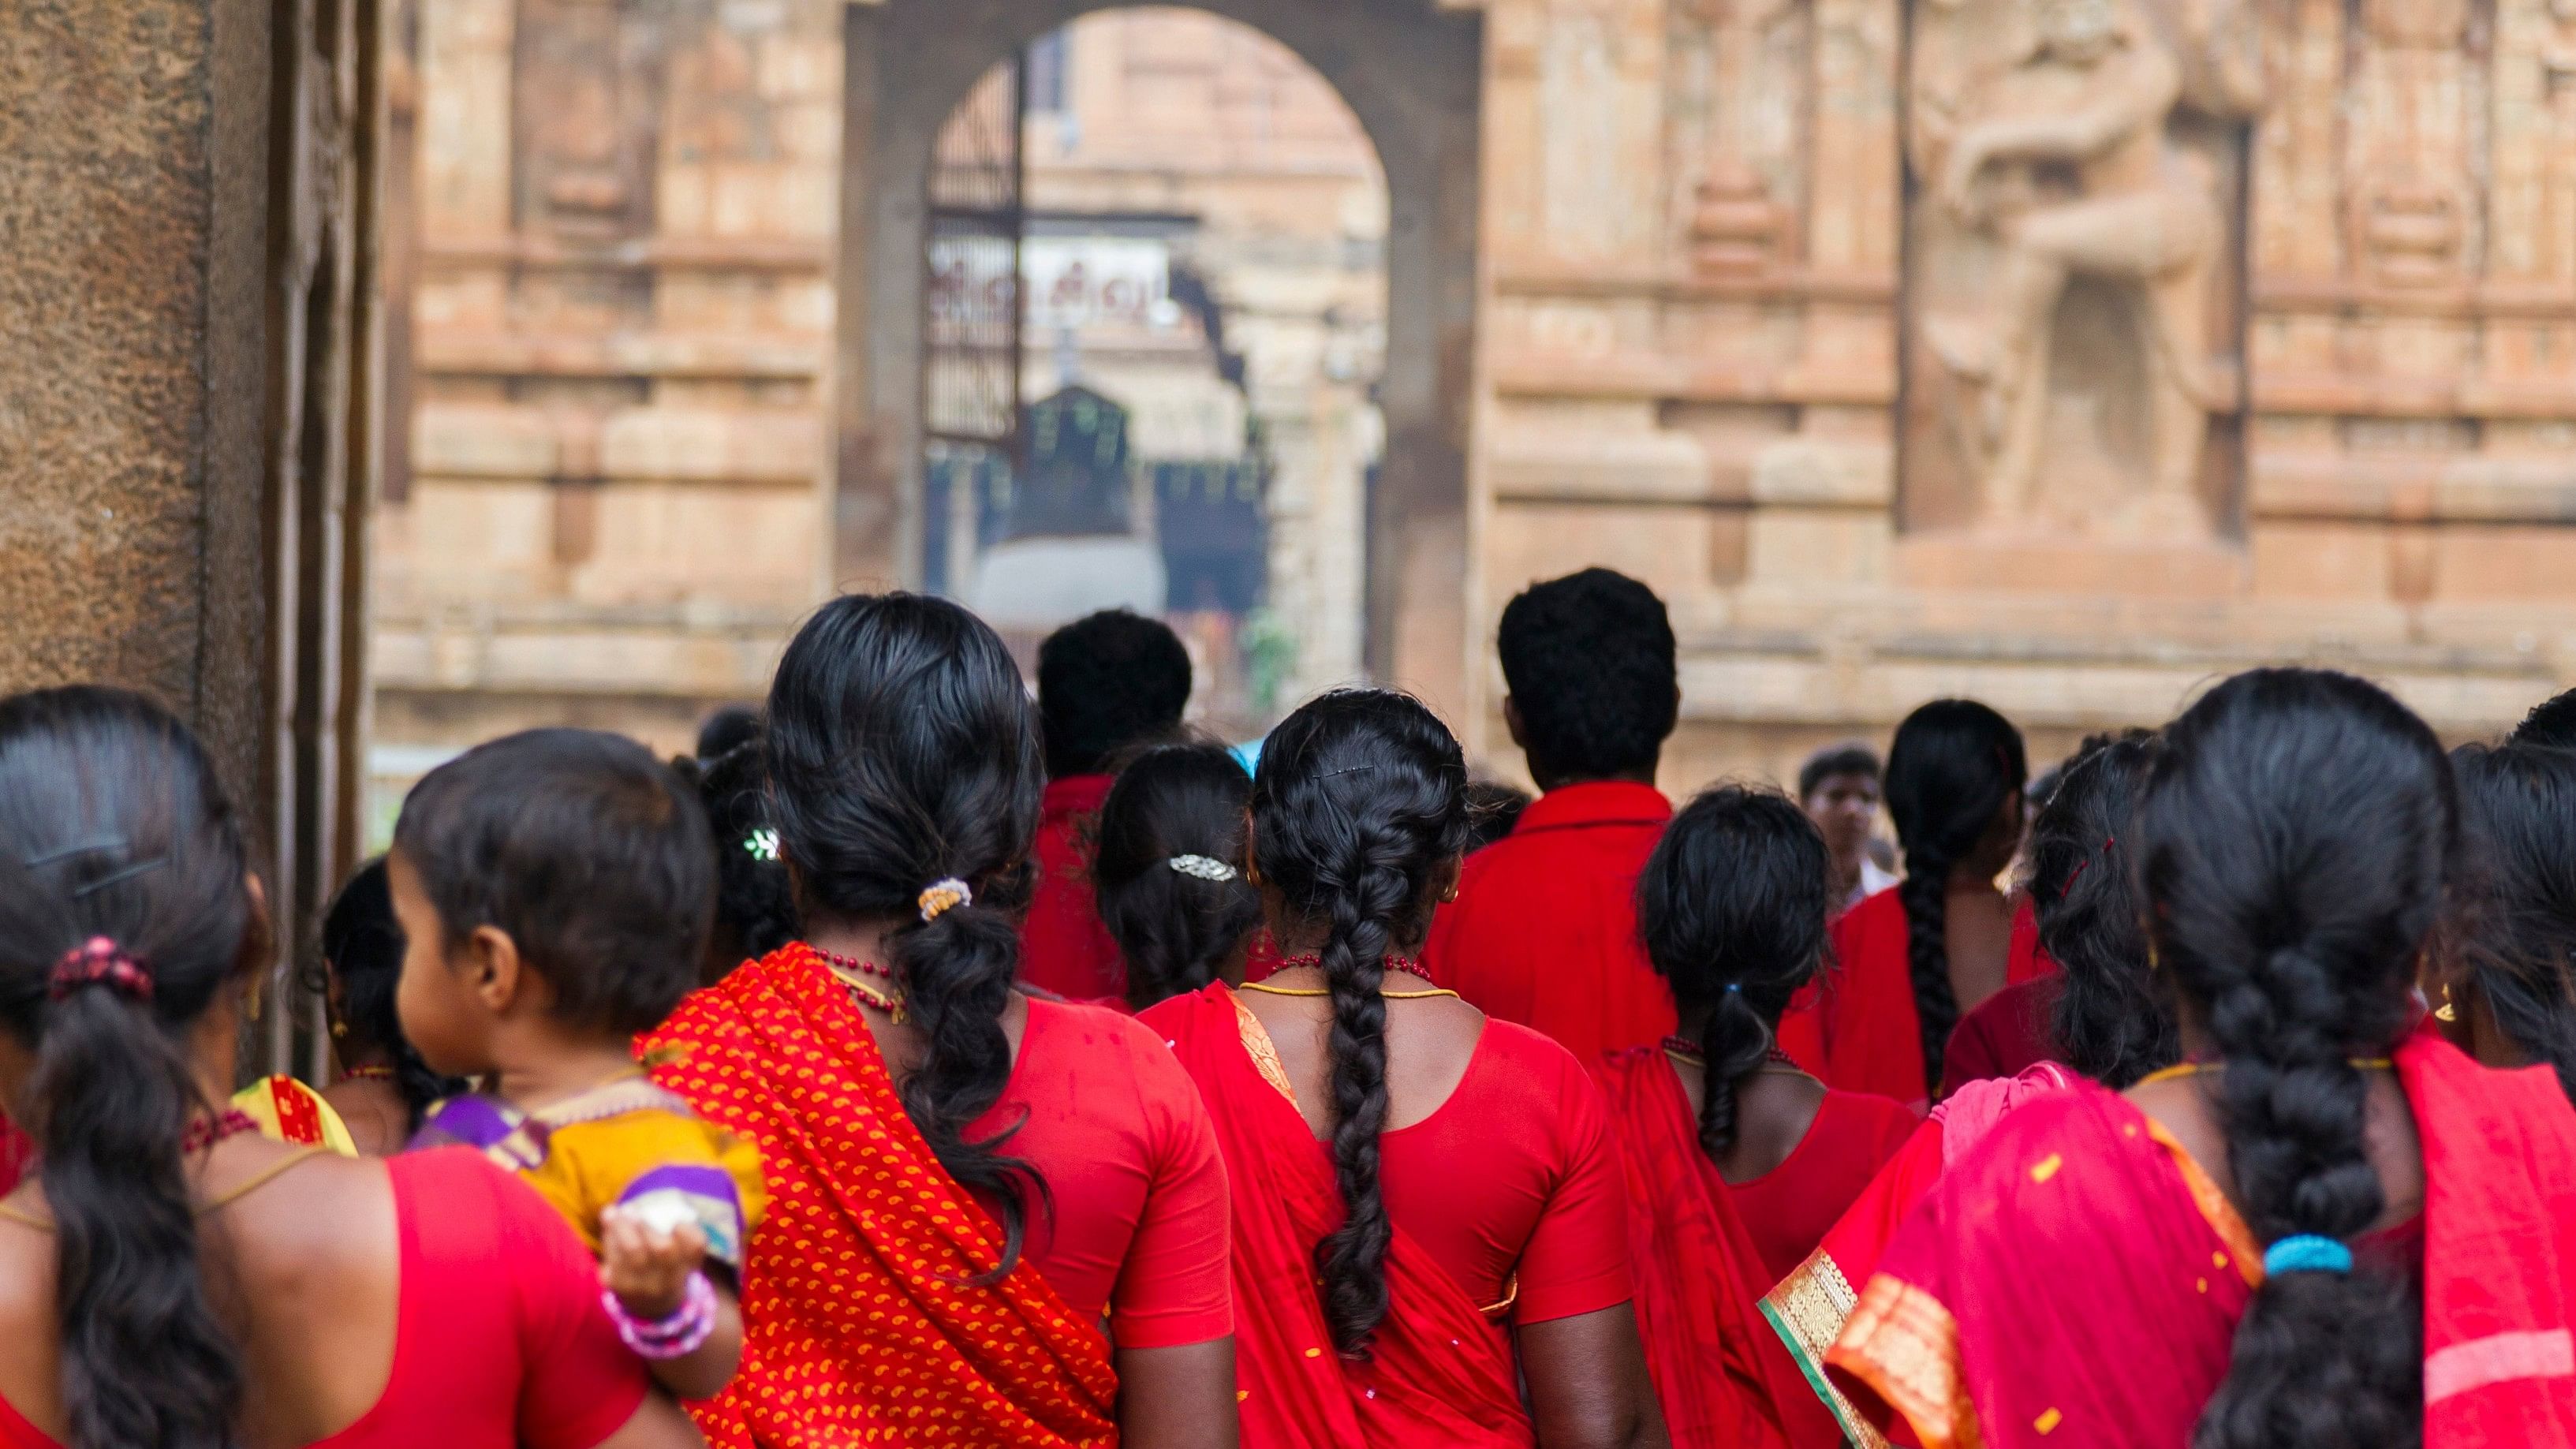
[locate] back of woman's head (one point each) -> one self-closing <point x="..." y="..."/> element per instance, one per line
<point x="755" y="907"/>
<point x="1169" y="868"/>
<point x="124" y="917"/>
<point x="362" y="955"/>
<point x="903" y="753"/>
<point x="2111" y="1023"/>
<point x="1359" y="818"/>
<point x="2292" y="850"/>
<point x="2512" y="927"/>
<point x="1732" y="910"/>
<point x="1954" y="768"/>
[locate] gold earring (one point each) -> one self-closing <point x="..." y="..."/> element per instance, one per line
<point x="250" y="999"/>
<point x="339" y="1028"/>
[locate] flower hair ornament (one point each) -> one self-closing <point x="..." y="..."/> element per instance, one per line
<point x="944" y="896"/>
<point x="762" y="845"/>
<point x="1201" y="867"/>
<point x="99" y="961"/>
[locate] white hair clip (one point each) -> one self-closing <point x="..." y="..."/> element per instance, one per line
<point x="1201" y="867"/>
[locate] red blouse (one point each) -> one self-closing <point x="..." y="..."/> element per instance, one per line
<point x="501" y="1341"/>
<point x="2009" y="1033"/>
<point x="1544" y="930"/>
<point x="1063" y="946"/>
<point x="1139" y="1217"/>
<point x="1788" y="1210"/>
<point x="1861" y="1033"/>
<point x="1516" y="1172"/>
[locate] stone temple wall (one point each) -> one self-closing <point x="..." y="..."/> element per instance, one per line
<point x="2122" y="344"/>
<point x="2068" y="353"/>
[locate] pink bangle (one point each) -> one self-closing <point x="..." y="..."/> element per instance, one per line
<point x="683" y="1333"/>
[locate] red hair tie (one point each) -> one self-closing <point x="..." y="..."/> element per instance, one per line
<point x="99" y="961"/>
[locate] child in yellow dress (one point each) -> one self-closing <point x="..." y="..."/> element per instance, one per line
<point x="555" y="888"/>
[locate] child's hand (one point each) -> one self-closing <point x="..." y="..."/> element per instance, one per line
<point x="646" y="1266"/>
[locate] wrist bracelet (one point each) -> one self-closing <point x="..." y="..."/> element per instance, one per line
<point x="683" y="1333"/>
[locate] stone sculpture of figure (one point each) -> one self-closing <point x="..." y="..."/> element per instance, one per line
<point x="2065" y="159"/>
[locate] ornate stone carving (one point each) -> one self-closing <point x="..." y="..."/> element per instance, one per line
<point x="2073" y="252"/>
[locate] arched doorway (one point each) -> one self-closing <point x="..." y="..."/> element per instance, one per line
<point x="1409" y="70"/>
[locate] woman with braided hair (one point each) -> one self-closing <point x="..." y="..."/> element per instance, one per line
<point x="995" y="1221"/>
<point x="1737" y="1160"/>
<point x="1421" y="1194"/>
<point x="1909" y="961"/>
<point x="2327" y="1227"/>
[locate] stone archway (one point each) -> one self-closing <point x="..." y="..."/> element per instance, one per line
<point x="1411" y="70"/>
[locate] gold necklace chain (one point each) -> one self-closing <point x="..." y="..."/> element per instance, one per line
<point x="2194" y="1069"/>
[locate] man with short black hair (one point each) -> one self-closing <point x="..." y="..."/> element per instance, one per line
<point x="2551" y="724"/>
<point x="1544" y="930"/>
<point x="1106" y="683"/>
<point x="1838" y="788"/>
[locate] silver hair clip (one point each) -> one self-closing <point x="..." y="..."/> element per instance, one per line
<point x="1201" y="867"/>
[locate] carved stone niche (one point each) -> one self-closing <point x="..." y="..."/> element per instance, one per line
<point x="2075" y="253"/>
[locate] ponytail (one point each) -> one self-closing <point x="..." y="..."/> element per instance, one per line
<point x="957" y="972"/>
<point x="905" y="781"/>
<point x="1358" y="812"/>
<point x="144" y="1359"/>
<point x="123" y="918"/>
<point x="2296" y="834"/>
<point x="1954" y="767"/>
<point x="1731" y="909"/>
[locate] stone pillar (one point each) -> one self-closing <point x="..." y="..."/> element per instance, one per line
<point x="189" y="392"/>
<point x="133" y="354"/>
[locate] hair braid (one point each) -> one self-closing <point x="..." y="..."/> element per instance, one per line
<point x="2296" y="836"/>
<point x="1351" y="1260"/>
<point x="1955" y="767"/>
<point x="1925" y="892"/>
<point x="1358" y="809"/>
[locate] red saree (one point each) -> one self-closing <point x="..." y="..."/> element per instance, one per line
<point x="2000" y="1316"/>
<point x="860" y="1326"/>
<point x="1809" y="1307"/>
<point x="1718" y="1370"/>
<point x="1438" y="1377"/>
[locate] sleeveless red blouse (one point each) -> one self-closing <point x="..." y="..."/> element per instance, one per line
<point x="500" y="1340"/>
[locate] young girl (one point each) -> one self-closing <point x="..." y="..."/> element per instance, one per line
<point x="554" y="889"/>
<point x="1911" y="959"/>
<point x="384" y="1087"/>
<point x="1168" y="870"/>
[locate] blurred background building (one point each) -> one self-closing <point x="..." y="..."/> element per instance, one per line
<point x="1325" y="325"/>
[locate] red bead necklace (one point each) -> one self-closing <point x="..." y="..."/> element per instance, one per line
<point x="205" y="1132"/>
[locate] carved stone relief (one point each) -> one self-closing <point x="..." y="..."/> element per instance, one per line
<point x="2075" y="244"/>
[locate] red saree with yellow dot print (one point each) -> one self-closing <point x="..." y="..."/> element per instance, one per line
<point x="863" y="1321"/>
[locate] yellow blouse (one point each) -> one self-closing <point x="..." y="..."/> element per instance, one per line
<point x="628" y="1145"/>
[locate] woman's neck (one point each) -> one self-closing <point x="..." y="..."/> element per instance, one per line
<point x="855" y="940"/>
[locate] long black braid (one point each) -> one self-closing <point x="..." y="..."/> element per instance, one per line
<point x="1358" y="813"/>
<point x="1954" y="766"/>
<point x="2294" y="844"/>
